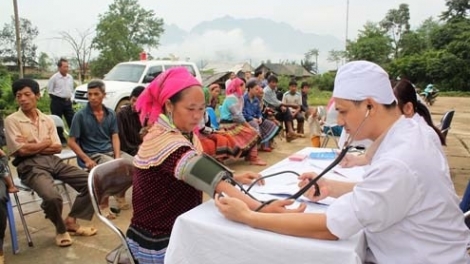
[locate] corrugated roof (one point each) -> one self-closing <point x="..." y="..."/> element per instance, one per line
<point x="219" y="67"/>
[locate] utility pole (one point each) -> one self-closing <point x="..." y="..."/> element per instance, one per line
<point x="347" y="29"/>
<point x="18" y="38"/>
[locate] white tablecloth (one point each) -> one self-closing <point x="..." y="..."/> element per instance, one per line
<point x="204" y="236"/>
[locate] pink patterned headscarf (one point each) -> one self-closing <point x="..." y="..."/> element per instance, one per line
<point x="151" y="102"/>
<point x="235" y="87"/>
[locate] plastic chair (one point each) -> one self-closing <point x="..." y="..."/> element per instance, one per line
<point x="326" y="137"/>
<point x="22" y="187"/>
<point x="105" y="180"/>
<point x="65" y="154"/>
<point x="445" y="122"/>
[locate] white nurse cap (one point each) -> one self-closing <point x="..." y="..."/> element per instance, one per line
<point x="359" y="80"/>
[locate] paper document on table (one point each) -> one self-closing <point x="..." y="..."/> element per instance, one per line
<point x="354" y="173"/>
<point x="286" y="190"/>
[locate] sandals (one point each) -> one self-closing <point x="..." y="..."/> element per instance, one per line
<point x="83" y="231"/>
<point x="63" y="240"/>
<point x="121" y="203"/>
<point x="266" y="149"/>
<point x="257" y="161"/>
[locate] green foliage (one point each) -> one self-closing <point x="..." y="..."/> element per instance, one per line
<point x="372" y="44"/>
<point x="28" y="33"/>
<point x="323" y="82"/>
<point x="283" y="84"/>
<point x="435" y="52"/>
<point x="44" y="62"/>
<point x="318" y="97"/>
<point x="6" y="97"/>
<point x="397" y="24"/>
<point x="122" y="33"/>
<point x="456" y="9"/>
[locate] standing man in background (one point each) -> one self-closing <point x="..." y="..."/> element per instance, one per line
<point x="60" y="89"/>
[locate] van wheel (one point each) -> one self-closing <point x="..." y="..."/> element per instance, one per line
<point x="123" y="102"/>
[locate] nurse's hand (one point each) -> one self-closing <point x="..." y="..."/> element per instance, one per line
<point x="279" y="206"/>
<point x="351" y="160"/>
<point x="248" y="178"/>
<point x="322" y="184"/>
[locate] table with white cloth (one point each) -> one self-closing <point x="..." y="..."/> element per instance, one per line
<point x="203" y="236"/>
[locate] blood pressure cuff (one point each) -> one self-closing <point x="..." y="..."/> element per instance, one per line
<point x="204" y="173"/>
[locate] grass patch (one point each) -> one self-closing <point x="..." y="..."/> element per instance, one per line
<point x="317" y="97"/>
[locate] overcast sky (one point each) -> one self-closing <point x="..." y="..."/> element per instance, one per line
<point x="311" y="16"/>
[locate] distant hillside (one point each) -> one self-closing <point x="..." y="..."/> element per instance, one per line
<point x="279" y="39"/>
<point x="280" y="36"/>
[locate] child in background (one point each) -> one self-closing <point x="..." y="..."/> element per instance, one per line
<point x="314" y="126"/>
<point x="5" y="173"/>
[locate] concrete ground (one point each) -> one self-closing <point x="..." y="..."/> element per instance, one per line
<point x="93" y="249"/>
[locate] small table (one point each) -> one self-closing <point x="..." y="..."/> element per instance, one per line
<point x="203" y="235"/>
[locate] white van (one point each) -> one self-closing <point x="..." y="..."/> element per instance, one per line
<point x="125" y="76"/>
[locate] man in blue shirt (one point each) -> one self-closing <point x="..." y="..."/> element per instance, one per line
<point x="94" y="133"/>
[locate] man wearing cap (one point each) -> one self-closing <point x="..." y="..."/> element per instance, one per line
<point x="406" y="205"/>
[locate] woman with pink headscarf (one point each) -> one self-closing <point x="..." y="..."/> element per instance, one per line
<point x="172" y="106"/>
<point x="235" y="124"/>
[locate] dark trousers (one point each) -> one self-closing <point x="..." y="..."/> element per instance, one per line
<point x="285" y="116"/>
<point x="62" y="107"/>
<point x="3" y="211"/>
<point x="39" y="172"/>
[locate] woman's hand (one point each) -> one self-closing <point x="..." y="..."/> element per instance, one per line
<point x="248" y="178"/>
<point x="232" y="208"/>
<point x="236" y="210"/>
<point x="322" y="184"/>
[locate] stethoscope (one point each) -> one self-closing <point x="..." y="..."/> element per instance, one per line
<point x="313" y="181"/>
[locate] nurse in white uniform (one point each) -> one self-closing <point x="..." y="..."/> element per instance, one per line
<point x="411" y="107"/>
<point x="406" y="208"/>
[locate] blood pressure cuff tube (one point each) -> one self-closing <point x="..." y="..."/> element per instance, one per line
<point x="204" y="173"/>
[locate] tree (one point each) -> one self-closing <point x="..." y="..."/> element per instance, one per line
<point x="44" y="62"/>
<point x="123" y="32"/>
<point x="397" y="24"/>
<point x="307" y="63"/>
<point x="372" y="44"/>
<point x="336" y="56"/>
<point x="28" y="33"/>
<point x="82" y="47"/>
<point x="456" y="10"/>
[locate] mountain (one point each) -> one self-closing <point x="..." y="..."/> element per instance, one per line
<point x="172" y="35"/>
<point x="260" y="39"/>
<point x="280" y="36"/>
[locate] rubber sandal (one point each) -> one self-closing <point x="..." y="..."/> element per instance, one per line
<point x="258" y="162"/>
<point x="63" y="240"/>
<point x="83" y="231"/>
<point x="122" y="204"/>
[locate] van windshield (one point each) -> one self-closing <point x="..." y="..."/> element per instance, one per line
<point x="125" y="73"/>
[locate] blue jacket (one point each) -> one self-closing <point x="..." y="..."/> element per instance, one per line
<point x="251" y="108"/>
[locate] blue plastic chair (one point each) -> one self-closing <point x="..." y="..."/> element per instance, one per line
<point x="12" y="226"/>
<point x="213" y="117"/>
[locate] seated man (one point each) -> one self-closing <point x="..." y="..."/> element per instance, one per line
<point x="129" y="124"/>
<point x="33" y="140"/>
<point x="293" y="100"/>
<point x="94" y="134"/>
<point x="282" y="114"/>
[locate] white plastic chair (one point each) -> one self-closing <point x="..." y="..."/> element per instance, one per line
<point x="65" y="154"/>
